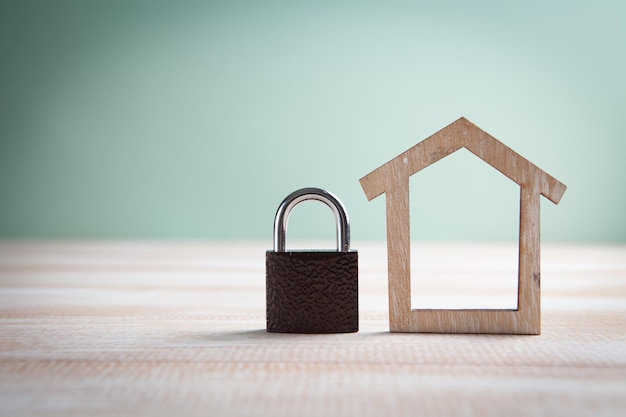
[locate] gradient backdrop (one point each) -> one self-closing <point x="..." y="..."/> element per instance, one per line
<point x="128" y="119"/>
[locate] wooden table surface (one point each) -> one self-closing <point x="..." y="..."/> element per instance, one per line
<point x="178" y="329"/>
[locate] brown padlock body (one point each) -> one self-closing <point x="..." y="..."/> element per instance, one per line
<point x="312" y="292"/>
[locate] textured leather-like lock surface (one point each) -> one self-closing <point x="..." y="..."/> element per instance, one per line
<point x="312" y="292"/>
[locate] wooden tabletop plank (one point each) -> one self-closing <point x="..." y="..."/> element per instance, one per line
<point x="178" y="328"/>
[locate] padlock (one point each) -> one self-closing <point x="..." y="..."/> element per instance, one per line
<point x="312" y="291"/>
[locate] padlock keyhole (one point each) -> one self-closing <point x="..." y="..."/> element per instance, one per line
<point x="311" y="226"/>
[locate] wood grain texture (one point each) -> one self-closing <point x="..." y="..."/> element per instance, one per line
<point x="162" y="329"/>
<point x="392" y="178"/>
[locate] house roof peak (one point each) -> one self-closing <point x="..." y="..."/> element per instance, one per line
<point x="461" y="133"/>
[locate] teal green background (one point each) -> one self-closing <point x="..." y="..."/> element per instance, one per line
<point x="127" y="119"/>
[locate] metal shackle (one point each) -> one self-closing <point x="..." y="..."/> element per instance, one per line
<point x="341" y="217"/>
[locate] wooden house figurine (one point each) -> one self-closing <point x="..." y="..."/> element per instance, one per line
<point x="392" y="178"/>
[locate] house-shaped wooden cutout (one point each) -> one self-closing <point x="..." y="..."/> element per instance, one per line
<point x="392" y="178"/>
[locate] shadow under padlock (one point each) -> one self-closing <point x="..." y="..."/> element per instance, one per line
<point x="312" y="291"/>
